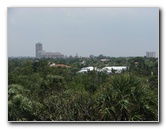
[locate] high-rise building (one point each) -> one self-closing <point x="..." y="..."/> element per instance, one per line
<point x="40" y="53"/>
<point x="150" y="54"/>
<point x="39" y="47"/>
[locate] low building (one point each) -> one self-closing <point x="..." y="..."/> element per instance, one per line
<point x="44" y="54"/>
<point x="104" y="60"/>
<point x="116" y="69"/>
<point x="86" y="69"/>
<point x="59" y="65"/>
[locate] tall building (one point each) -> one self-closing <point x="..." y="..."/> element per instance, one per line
<point x="39" y="47"/>
<point x="150" y="54"/>
<point x="40" y="53"/>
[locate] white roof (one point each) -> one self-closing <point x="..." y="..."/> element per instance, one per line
<point x="115" y="68"/>
<point x="82" y="71"/>
<point x="88" y="68"/>
<point x="107" y="69"/>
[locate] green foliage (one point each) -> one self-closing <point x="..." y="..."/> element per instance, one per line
<point x="126" y="99"/>
<point x="37" y="92"/>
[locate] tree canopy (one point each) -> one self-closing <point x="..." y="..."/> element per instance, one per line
<point x="38" y="92"/>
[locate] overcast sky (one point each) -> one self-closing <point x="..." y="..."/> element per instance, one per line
<point x="109" y="31"/>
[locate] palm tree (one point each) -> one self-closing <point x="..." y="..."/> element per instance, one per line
<point x="126" y="99"/>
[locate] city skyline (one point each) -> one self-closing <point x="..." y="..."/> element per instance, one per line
<point x="41" y="53"/>
<point x="87" y="31"/>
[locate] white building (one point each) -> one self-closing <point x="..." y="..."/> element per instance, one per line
<point x="86" y="69"/>
<point x="116" y="69"/>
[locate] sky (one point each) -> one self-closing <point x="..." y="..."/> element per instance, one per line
<point x="114" y="32"/>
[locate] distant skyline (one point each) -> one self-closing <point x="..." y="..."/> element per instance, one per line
<point x="87" y="31"/>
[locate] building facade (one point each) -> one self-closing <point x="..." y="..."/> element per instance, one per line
<point x="151" y="54"/>
<point x="39" y="47"/>
<point x="40" y="53"/>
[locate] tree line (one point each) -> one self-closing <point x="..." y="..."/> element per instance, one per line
<point x="38" y="92"/>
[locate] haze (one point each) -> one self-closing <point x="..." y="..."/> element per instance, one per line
<point x="109" y="31"/>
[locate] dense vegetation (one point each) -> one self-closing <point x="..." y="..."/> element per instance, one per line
<point x="38" y="92"/>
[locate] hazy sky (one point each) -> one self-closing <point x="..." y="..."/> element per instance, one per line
<point x="108" y="31"/>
